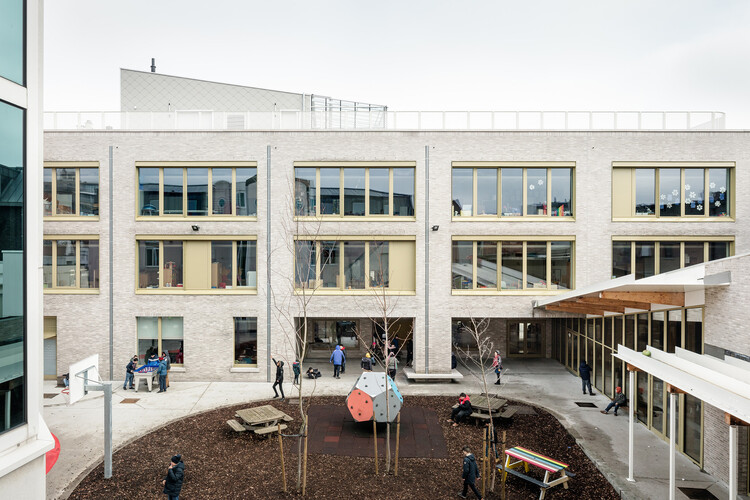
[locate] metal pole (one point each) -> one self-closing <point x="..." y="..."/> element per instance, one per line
<point x="111" y="272"/>
<point x="107" y="430"/>
<point x="631" y="426"/>
<point x="672" y="442"/>
<point x="427" y="259"/>
<point x="268" y="263"/>
<point x="732" y="462"/>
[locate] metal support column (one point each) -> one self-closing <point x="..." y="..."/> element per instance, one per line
<point x="268" y="263"/>
<point x="111" y="272"/>
<point x="732" y="462"/>
<point x="631" y="426"/>
<point x="427" y="259"/>
<point x="107" y="430"/>
<point x="672" y="443"/>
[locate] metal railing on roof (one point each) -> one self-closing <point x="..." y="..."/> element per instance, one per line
<point x="378" y="119"/>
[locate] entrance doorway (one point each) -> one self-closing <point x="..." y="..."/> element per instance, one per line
<point x="50" y="348"/>
<point x="324" y="334"/>
<point x="526" y="339"/>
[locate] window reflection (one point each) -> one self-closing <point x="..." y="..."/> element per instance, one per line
<point x="403" y="191"/>
<point x="379" y="191"/>
<point x="354" y="191"/>
<point x="463" y="188"/>
<point x="172" y="191"/>
<point x="644" y="191"/>
<point x="512" y="191"/>
<point x="197" y="191"/>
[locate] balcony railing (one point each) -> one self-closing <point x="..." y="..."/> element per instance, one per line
<point x="336" y="119"/>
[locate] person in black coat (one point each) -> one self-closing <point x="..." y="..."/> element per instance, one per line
<point x="584" y="370"/>
<point x="470" y="474"/>
<point x="462" y="410"/>
<point x="175" y="476"/>
<point x="296" y="371"/>
<point x="279" y="379"/>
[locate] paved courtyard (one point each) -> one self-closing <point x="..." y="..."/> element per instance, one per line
<point x="540" y="382"/>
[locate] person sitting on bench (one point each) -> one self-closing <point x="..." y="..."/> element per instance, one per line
<point x="461" y="411"/>
<point x="618" y="401"/>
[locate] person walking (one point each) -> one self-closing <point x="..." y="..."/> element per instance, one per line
<point x="392" y="366"/>
<point x="337" y="358"/>
<point x="162" y="372"/>
<point x="296" y="371"/>
<point x="175" y="476"/>
<point x="129" y="370"/>
<point x="409" y="351"/>
<point x="279" y="379"/>
<point x="366" y="363"/>
<point x="618" y="401"/>
<point x="584" y="370"/>
<point x="470" y="474"/>
<point x="169" y="364"/>
<point x="497" y="364"/>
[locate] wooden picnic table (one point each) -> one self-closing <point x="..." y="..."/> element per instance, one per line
<point x="484" y="405"/>
<point x="262" y="419"/>
<point x="525" y="457"/>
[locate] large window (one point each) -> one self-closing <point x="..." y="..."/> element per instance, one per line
<point x="208" y="266"/>
<point x="353" y="191"/>
<point x="12" y="216"/>
<point x="514" y="265"/>
<point x="490" y="190"/>
<point x="692" y="190"/>
<point x="355" y="264"/>
<point x="197" y="191"/>
<point x="647" y="258"/>
<point x="12" y="35"/>
<point x="160" y="334"/>
<point x="246" y="342"/>
<point x="70" y="264"/>
<point x="71" y="189"/>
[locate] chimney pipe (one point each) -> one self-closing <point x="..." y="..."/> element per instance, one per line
<point x="153" y="65"/>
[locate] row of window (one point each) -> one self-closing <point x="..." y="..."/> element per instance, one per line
<point x="354" y="191"/>
<point x="647" y="258"/>
<point x="68" y="263"/>
<point x="197" y="191"/>
<point x="355" y="265"/>
<point x="514" y="265"/>
<point x="477" y="191"/>
<point x="197" y="264"/>
<point x="166" y="334"/>
<point x="512" y="191"/>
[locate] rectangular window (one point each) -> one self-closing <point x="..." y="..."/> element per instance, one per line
<point x="12" y="28"/>
<point x="71" y="191"/>
<point x="12" y="234"/>
<point x="197" y="191"/>
<point x="245" y="342"/>
<point x="355" y="265"/>
<point x="70" y="264"/>
<point x="518" y="265"/>
<point x="157" y="335"/>
<point x="528" y="191"/>
<point x="197" y="264"/>
<point x="691" y="191"/>
<point x="367" y="191"/>
<point x="651" y="257"/>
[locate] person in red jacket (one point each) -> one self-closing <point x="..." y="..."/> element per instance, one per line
<point x="461" y="411"/>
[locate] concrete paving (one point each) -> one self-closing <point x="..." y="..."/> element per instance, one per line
<point x="540" y="382"/>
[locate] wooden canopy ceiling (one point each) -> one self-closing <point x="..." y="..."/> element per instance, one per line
<point x="616" y="302"/>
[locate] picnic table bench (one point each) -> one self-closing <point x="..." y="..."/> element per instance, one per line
<point x="485" y="410"/>
<point x="525" y="457"/>
<point x="260" y="420"/>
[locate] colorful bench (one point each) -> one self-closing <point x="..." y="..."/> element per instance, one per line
<point x="526" y="457"/>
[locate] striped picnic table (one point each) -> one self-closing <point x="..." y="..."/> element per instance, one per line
<point x="525" y="457"/>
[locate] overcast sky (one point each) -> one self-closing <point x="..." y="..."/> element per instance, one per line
<point x="665" y="55"/>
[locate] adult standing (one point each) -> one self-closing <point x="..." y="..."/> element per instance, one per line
<point x="169" y="364"/>
<point x="392" y="366"/>
<point x="584" y="370"/>
<point x="470" y="474"/>
<point x="296" y="371"/>
<point x="409" y="351"/>
<point x="175" y="476"/>
<point x="129" y="373"/>
<point x="161" y="371"/>
<point x="497" y="364"/>
<point x="337" y="358"/>
<point x="343" y="361"/>
<point x="279" y="379"/>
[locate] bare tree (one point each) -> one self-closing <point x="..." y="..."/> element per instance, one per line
<point x="379" y="307"/>
<point x="291" y="300"/>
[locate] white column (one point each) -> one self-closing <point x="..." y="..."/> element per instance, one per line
<point x="631" y="426"/>
<point x="672" y="442"/>
<point x="732" y="462"/>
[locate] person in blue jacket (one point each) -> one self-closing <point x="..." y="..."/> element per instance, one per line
<point x="162" y="372"/>
<point x="337" y="358"/>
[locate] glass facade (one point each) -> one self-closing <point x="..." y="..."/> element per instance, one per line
<point x="12" y="34"/>
<point x="246" y="342"/>
<point x="648" y="258"/>
<point x="12" y="215"/>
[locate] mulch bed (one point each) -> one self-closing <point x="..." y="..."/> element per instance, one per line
<point x="223" y="464"/>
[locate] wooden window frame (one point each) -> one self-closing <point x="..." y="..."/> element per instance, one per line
<point x="77" y="166"/>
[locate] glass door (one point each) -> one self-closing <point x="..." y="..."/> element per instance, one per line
<point x="526" y="338"/>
